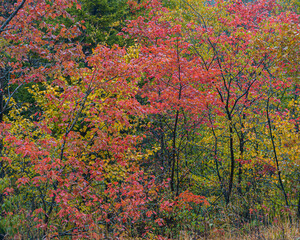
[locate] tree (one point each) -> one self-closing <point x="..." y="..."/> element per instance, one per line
<point x="104" y="20"/>
<point x="191" y="127"/>
<point x="207" y="73"/>
<point x="32" y="49"/>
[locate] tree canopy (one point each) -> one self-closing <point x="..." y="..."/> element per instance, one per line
<point x="148" y="119"/>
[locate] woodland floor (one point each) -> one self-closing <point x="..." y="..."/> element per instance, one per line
<point x="280" y="231"/>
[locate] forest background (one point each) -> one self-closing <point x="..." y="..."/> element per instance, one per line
<point x="148" y="119"/>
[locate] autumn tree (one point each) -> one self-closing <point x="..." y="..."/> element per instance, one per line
<point x="225" y="100"/>
<point x="236" y="38"/>
<point x="192" y="125"/>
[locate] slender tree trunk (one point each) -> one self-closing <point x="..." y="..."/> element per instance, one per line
<point x="240" y="172"/>
<point x="2" y="174"/>
<point x="174" y="151"/>
<point x="275" y="155"/>
<point x="232" y="164"/>
<point x="298" y="207"/>
<point x="223" y="190"/>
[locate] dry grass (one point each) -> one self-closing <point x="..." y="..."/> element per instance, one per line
<point x="279" y="231"/>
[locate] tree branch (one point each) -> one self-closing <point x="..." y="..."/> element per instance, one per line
<point x="2" y="28"/>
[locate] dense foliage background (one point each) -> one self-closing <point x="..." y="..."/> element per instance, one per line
<point x="148" y="119"/>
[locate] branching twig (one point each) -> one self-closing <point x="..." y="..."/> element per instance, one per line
<point x="2" y="28"/>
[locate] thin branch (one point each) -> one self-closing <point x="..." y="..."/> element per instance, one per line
<point x="2" y="28"/>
